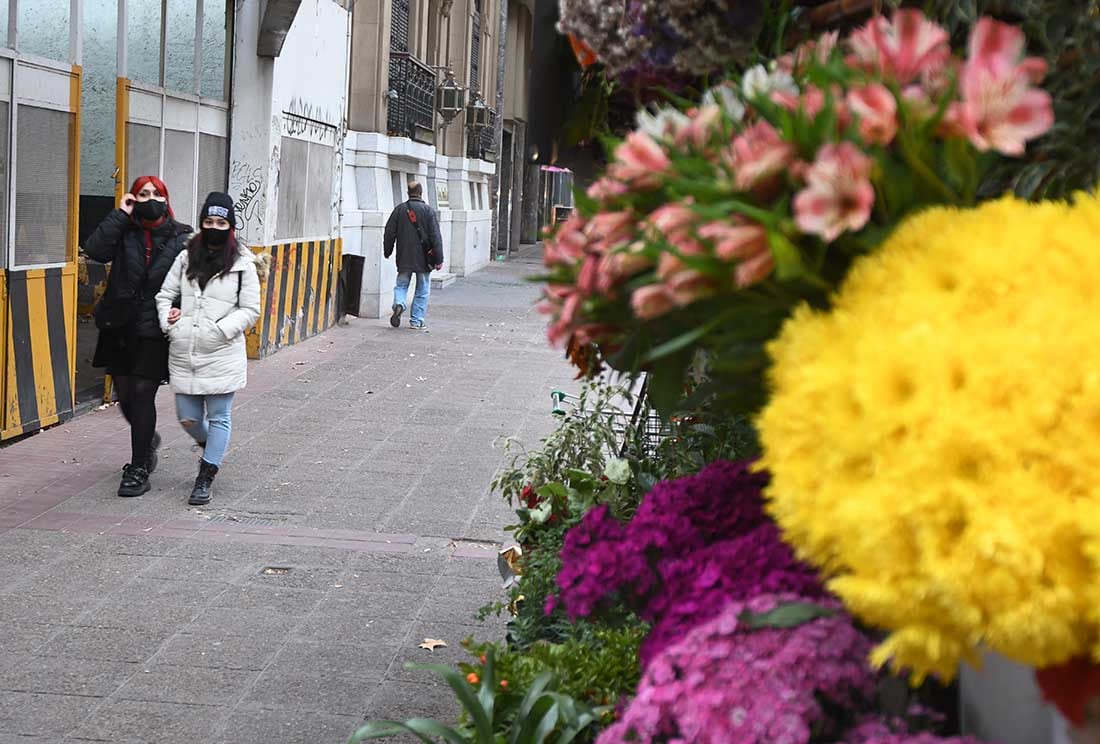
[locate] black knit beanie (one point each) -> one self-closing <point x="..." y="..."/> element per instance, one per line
<point x="218" y="204"/>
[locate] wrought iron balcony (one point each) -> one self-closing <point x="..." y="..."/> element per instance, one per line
<point x="412" y="113"/>
<point x="481" y="145"/>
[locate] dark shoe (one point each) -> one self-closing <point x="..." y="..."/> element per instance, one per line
<point x="135" y="481"/>
<point x="201" y="493"/>
<point x="395" y="319"/>
<point x="418" y="326"/>
<point x="151" y="460"/>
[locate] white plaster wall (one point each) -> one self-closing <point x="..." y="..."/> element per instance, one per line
<point x="1001" y="702"/>
<point x="309" y="80"/>
<point x="371" y="160"/>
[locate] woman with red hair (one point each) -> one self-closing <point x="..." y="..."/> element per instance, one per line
<point x="140" y="240"/>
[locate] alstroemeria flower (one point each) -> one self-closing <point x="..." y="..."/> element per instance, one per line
<point x="758" y="155"/>
<point x="703" y="124"/>
<point x="612" y="229"/>
<point x="663" y="122"/>
<point x="838" y="194"/>
<point x="877" y="111"/>
<point x="735" y="242"/>
<point x="725" y="97"/>
<point x="758" y="82"/>
<point x="639" y="161"/>
<point x="673" y="220"/>
<point x="651" y="301"/>
<point x="1000" y="110"/>
<point x="689" y="285"/>
<point x="567" y="247"/>
<point x="606" y="188"/>
<point x="902" y="48"/>
<point x="753" y="270"/>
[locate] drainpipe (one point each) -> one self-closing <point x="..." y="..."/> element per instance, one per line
<point x="498" y="125"/>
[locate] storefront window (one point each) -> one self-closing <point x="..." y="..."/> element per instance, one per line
<point x="214" y="50"/>
<point x="44" y="28"/>
<point x="179" y="68"/>
<point x="143" y="42"/>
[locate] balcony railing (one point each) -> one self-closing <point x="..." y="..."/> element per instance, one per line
<point x="412" y="113"/>
<point x="482" y="146"/>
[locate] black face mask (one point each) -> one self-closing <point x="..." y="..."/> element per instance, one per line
<point x="214" y="237"/>
<point x="151" y="210"/>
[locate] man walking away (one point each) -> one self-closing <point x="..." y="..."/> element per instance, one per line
<point x="415" y="228"/>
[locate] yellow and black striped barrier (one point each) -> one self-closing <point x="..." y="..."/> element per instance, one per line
<point x="38" y="318"/>
<point x="298" y="297"/>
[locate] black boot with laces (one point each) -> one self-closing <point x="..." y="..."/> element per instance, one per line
<point x="135" y="481"/>
<point x="204" y="483"/>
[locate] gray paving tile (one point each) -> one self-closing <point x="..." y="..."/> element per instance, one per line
<point x="62" y="676"/>
<point x="298" y="577"/>
<point x="219" y="651"/>
<point x="139" y="722"/>
<point x="310" y="656"/>
<point x="276" y="726"/>
<point x="39" y="714"/>
<point x="228" y="622"/>
<point x="399" y="700"/>
<point x="374" y="604"/>
<point x="165" y="683"/>
<point x="283" y="600"/>
<point x="349" y="627"/>
<point x="107" y="644"/>
<point x="335" y="691"/>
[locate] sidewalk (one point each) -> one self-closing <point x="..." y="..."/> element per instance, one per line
<point x="351" y="520"/>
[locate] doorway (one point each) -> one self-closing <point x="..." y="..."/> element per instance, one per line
<point x="504" y="203"/>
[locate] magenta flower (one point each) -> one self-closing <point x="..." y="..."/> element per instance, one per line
<point x="724" y="683"/>
<point x="1000" y="110"/>
<point x="838" y="194"/>
<point x="901" y="49"/>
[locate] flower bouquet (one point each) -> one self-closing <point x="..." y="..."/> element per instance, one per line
<point x="715" y="220"/>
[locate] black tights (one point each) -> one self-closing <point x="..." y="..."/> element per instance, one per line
<point x="137" y="396"/>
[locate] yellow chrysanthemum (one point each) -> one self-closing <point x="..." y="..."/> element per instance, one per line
<point x="934" y="440"/>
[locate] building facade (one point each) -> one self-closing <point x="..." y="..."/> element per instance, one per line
<point x="247" y="96"/>
<point x="411" y="60"/>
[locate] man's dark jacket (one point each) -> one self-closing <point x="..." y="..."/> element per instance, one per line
<point x="121" y="242"/>
<point x="399" y="228"/>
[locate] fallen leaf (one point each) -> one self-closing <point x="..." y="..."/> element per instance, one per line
<point x="431" y="644"/>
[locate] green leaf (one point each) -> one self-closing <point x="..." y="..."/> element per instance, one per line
<point x="422" y="728"/>
<point x="487" y="694"/>
<point x="789" y="615"/>
<point x="666" y="383"/>
<point x="481" y="717"/>
<point x="788" y="259"/>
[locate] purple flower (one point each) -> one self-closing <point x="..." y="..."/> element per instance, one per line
<point x="877" y="731"/>
<point x="723" y="683"/>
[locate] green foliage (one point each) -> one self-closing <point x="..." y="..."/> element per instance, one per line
<point x="496" y="713"/>
<point x="597" y="666"/>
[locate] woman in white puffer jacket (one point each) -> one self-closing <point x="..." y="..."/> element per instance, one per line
<point x="217" y="286"/>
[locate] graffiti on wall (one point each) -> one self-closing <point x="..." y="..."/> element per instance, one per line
<point x="304" y="119"/>
<point x="246" y="186"/>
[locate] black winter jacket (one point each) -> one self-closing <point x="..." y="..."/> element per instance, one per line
<point x="121" y="242"/>
<point x="410" y="256"/>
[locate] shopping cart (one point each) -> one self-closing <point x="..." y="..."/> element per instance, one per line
<point x="637" y="425"/>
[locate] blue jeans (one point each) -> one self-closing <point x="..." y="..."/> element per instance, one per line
<point x="420" y="297"/>
<point x="209" y="427"/>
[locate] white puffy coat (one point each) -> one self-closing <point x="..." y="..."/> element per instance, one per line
<point x="207" y="353"/>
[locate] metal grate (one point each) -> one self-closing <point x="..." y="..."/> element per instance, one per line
<point x="414" y="83"/>
<point x="43" y="143"/>
<point x="293" y="157"/>
<point x="212" y="165"/>
<point x="4" y="134"/>
<point x="142" y="152"/>
<point x="399" y="26"/>
<point x="179" y="173"/>
<point x="319" y="180"/>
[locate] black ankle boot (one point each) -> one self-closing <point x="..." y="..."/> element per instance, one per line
<point x="204" y="483"/>
<point x="135" y="481"/>
<point x="151" y="461"/>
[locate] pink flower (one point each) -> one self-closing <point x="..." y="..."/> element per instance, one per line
<point x="820" y="49"/>
<point x="606" y="188"/>
<point x="877" y="111"/>
<point x="999" y="108"/>
<point x="622" y="264"/>
<point x="668" y="265"/>
<point x="567" y="246"/>
<point x="838" y="194"/>
<point x="639" y="161"/>
<point x="704" y="124"/>
<point x="651" y="301"/>
<point x="902" y="48"/>
<point x="755" y="269"/>
<point x="588" y="278"/>
<point x="673" y="220"/>
<point x="689" y="285"/>
<point x="735" y="242"/>
<point x="562" y="328"/>
<point x="612" y="229"/>
<point x="758" y="155"/>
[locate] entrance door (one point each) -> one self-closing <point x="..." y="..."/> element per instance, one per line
<point x="504" y="205"/>
<point x="39" y="171"/>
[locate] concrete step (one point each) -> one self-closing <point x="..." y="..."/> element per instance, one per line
<point x="442" y="279"/>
